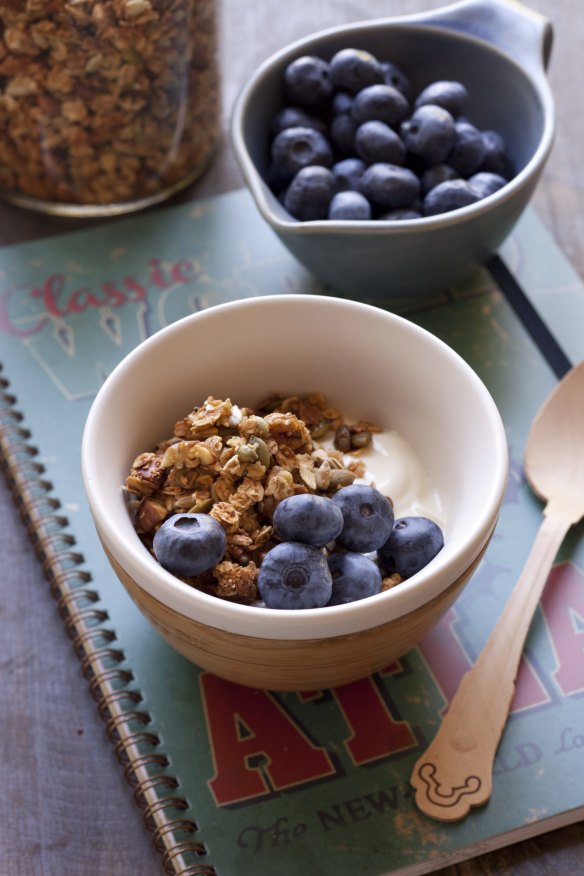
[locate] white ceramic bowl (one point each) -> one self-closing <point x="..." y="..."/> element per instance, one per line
<point x="499" y="50"/>
<point x="367" y="361"/>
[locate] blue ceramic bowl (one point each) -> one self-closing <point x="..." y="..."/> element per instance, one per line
<point x="499" y="50"/>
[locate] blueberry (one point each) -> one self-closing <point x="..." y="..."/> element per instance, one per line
<point x="296" y="117"/>
<point x="354" y="69"/>
<point x="395" y="76"/>
<point x="349" y="205"/>
<point x="468" y="151"/>
<point x="484" y="184"/>
<point x="188" y="544"/>
<point x="496" y="158"/>
<point x="389" y="186"/>
<point x="450" y="195"/>
<point x="294" y="575"/>
<point x="376" y="141"/>
<point x="401" y="214"/>
<point x="309" y="194"/>
<point x="307" y="81"/>
<point x="342" y="134"/>
<point x="294" y="148"/>
<point x="384" y="103"/>
<point x="307" y="518"/>
<point x="434" y="175"/>
<point x="348" y="173"/>
<point x="342" y="103"/>
<point x="429" y="133"/>
<point x="354" y="577"/>
<point x="452" y="96"/>
<point x="412" y="544"/>
<point x="368" y="517"/>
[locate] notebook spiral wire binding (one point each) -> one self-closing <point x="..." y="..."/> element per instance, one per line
<point x="119" y="704"/>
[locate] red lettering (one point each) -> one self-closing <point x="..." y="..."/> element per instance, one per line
<point x="447" y="662"/>
<point x="50" y="291"/>
<point x="79" y="301"/>
<point x="444" y="655"/>
<point x="375" y="733"/>
<point x="156" y="275"/>
<point x="134" y="286"/>
<point x="563" y="610"/>
<point x="82" y="299"/>
<point x="8" y="325"/>
<point x="257" y="747"/>
<point x="183" y="272"/>
<point x="114" y="297"/>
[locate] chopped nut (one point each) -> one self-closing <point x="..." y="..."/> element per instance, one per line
<point x="188" y="454"/>
<point x="150" y="514"/>
<point x="146" y="474"/>
<point x="235" y="581"/>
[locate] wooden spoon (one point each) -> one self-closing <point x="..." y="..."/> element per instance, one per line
<point x="455" y="772"/>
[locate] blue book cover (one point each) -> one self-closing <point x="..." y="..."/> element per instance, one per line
<point x="234" y="780"/>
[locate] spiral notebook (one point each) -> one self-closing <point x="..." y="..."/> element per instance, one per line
<point x="233" y="780"/>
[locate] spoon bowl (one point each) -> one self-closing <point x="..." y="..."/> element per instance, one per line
<point x="554" y="453"/>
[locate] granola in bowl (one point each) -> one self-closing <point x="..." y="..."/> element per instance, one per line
<point x="237" y="464"/>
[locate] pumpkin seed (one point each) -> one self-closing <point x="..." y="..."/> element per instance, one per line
<point x="321" y="429"/>
<point x="261" y="427"/>
<point x="246" y="453"/>
<point x="261" y="448"/>
<point x="361" y="439"/>
<point x="343" y="438"/>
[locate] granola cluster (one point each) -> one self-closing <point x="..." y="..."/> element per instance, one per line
<point x="105" y="101"/>
<point x="236" y="465"/>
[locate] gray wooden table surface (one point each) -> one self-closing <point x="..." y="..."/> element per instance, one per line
<point x="65" y="809"/>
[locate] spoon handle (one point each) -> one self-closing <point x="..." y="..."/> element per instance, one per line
<point x="455" y="772"/>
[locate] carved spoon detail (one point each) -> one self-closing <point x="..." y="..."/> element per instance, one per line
<point x="455" y="772"/>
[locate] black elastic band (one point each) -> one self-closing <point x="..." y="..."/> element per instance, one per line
<point x="551" y="350"/>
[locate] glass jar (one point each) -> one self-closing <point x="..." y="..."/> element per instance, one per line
<point x="106" y="106"/>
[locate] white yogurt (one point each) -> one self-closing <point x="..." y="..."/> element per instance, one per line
<point x="393" y="467"/>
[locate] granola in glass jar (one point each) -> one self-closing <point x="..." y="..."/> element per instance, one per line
<point x="106" y="106"/>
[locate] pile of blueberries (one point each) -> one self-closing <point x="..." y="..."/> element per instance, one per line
<point x="298" y="573"/>
<point x="350" y="143"/>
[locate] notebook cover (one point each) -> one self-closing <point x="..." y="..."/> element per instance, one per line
<point x="234" y="780"/>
